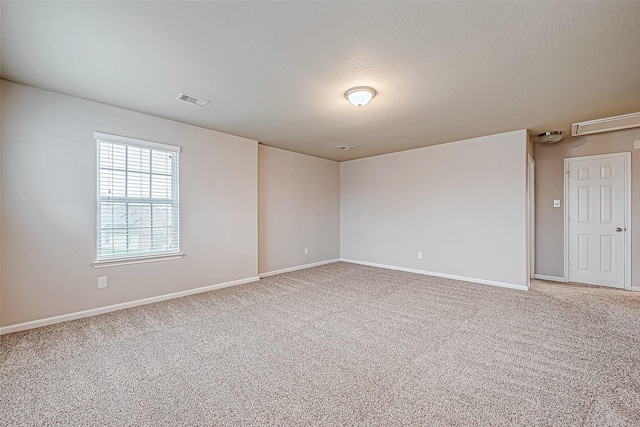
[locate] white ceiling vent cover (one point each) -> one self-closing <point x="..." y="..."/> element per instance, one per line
<point x="193" y="100"/>
<point x="605" y="125"/>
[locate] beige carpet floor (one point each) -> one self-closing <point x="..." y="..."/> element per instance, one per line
<point x="340" y="344"/>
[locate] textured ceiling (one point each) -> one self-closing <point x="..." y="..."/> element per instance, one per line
<point x="276" y="72"/>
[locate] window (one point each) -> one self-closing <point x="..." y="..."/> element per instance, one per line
<point x="138" y="210"/>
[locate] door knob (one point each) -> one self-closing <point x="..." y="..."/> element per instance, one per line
<point x="618" y="229"/>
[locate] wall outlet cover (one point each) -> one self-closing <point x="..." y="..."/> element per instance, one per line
<point x="102" y="282"/>
<point x="636" y="144"/>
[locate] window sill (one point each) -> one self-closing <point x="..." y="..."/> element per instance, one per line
<point x="136" y="260"/>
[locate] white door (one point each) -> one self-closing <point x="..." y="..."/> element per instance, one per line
<point x="597" y="219"/>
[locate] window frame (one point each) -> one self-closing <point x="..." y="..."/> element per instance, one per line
<point x="174" y="200"/>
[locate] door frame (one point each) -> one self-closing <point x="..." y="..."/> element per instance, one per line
<point x="531" y="215"/>
<point x="627" y="212"/>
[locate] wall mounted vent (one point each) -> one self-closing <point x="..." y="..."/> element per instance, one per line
<point x="605" y="125"/>
<point x="192" y="99"/>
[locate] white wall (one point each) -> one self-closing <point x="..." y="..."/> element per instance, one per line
<point x="1" y="133"/>
<point x="49" y="206"/>
<point x="299" y="207"/>
<point x="462" y="204"/>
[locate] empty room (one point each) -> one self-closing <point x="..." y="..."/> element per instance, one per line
<point x="319" y="213"/>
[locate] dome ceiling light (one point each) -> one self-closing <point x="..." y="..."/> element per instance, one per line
<point x="360" y="95"/>
<point x="550" y="137"/>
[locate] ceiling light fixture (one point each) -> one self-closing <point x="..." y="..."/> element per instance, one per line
<point x="360" y="95"/>
<point x="342" y="147"/>
<point x="550" y="136"/>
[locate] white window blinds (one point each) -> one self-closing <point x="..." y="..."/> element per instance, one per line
<point x="138" y="203"/>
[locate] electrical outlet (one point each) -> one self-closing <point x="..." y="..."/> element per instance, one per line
<point x="306" y="251"/>
<point x="102" y="282"/>
<point x="419" y="255"/>
<point x="556" y="203"/>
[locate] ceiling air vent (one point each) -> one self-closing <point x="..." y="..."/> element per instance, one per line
<point x="192" y="99"/>
<point x="605" y="125"/>
<point x="342" y="147"/>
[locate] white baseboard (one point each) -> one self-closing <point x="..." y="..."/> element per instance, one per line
<point x="448" y="276"/>
<point x="635" y="288"/>
<point x="299" y="267"/>
<point x="552" y="278"/>
<point x="100" y="310"/>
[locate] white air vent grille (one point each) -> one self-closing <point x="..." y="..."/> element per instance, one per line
<point x="605" y="125"/>
<point x="192" y="99"/>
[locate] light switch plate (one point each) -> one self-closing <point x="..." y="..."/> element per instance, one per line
<point x="556" y="203"/>
<point x="636" y="144"/>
